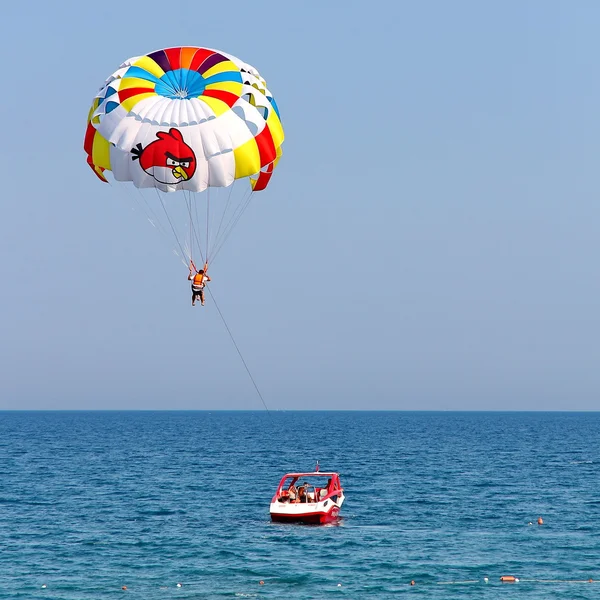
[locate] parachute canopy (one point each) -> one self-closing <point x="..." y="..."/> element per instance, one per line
<point x="184" y="119"/>
<point x="187" y="120"/>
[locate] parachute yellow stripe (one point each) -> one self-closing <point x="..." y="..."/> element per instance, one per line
<point x="247" y="159"/>
<point x="134" y="82"/>
<point x="100" y="152"/>
<point x="149" y="65"/>
<point x="278" y="156"/>
<point x="218" y="106"/>
<point x="221" y="67"/>
<point x="275" y="127"/>
<point x="235" y="87"/>
<point x="95" y="105"/>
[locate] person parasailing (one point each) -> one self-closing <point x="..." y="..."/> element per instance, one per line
<point x="199" y="280"/>
<point x="181" y="124"/>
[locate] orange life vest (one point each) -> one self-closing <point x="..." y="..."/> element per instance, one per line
<point x="198" y="280"/>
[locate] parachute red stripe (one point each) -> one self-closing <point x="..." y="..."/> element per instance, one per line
<point x="174" y="57"/>
<point x="98" y="170"/>
<point x="88" y="141"/>
<point x="262" y="181"/>
<point x="227" y="97"/>
<point x="266" y="147"/>
<point x="128" y="93"/>
<point x="199" y="58"/>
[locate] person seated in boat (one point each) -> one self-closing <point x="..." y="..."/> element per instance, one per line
<point x="303" y="492"/>
<point x="292" y="493"/>
<point x="325" y="490"/>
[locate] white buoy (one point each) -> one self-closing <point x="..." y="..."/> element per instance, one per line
<point x="43" y="585"/>
<point x="178" y="585"/>
<point x="486" y="579"/>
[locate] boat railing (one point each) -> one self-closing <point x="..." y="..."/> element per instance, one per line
<point x="332" y="493"/>
<point x="316" y="497"/>
<point x="282" y="492"/>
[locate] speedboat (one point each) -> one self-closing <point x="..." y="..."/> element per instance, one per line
<point x="307" y="498"/>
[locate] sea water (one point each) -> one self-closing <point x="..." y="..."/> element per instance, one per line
<point x="92" y="502"/>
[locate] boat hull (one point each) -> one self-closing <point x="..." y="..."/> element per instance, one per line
<point x="313" y="513"/>
<point x="311" y="518"/>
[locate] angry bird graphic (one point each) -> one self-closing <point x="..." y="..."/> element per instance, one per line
<point x="169" y="160"/>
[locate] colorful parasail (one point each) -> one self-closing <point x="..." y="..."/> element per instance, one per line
<point x="186" y="119"/>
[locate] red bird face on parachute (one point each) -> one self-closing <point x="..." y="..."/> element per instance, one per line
<point x="168" y="159"/>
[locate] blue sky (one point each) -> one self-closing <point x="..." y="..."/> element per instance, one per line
<point x="428" y="241"/>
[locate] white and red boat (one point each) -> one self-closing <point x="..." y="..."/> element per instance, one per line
<point x="308" y="498"/>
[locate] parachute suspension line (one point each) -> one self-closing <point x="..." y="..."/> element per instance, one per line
<point x="183" y="253"/>
<point x="240" y="210"/>
<point x="193" y="227"/>
<point x="158" y="223"/>
<point x="155" y="221"/>
<point x="152" y="217"/>
<point x="187" y="201"/>
<point x="207" y="218"/>
<point x="197" y="221"/>
<point x="227" y="204"/>
<point x="238" y="350"/>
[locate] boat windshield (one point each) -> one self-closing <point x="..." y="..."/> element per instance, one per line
<point x="307" y="488"/>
